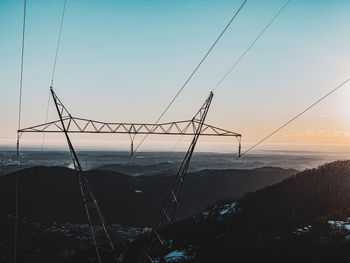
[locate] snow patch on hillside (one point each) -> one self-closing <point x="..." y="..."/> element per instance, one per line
<point x="177" y="256"/>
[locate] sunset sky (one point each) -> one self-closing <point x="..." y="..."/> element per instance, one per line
<point x="123" y="61"/>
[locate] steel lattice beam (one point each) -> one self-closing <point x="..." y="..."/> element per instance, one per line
<point x="80" y="125"/>
<point x="69" y="124"/>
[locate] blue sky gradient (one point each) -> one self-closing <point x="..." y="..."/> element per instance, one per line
<point x="125" y="60"/>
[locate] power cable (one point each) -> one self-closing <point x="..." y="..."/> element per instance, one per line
<point x="19" y="127"/>
<point x="245" y="52"/>
<point x="193" y="72"/>
<point x="250" y="46"/>
<point x="295" y="117"/>
<point x="54" y="68"/>
<point x="22" y="59"/>
<point x="58" y="43"/>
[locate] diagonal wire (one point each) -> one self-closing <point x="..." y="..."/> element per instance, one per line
<point x="295" y="117"/>
<point x="18" y="134"/>
<point x="54" y="69"/>
<point x="58" y="43"/>
<point x="251" y="45"/>
<point x="193" y="72"/>
<point x="22" y="59"/>
<point x="245" y="52"/>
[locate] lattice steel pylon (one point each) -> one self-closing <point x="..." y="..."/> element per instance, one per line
<point x="168" y="211"/>
<point x="83" y="182"/>
<point x="195" y="127"/>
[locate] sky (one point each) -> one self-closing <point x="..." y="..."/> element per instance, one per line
<point x="124" y="61"/>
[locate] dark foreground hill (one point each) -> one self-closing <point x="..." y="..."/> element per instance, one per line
<point x="305" y="218"/>
<point x="52" y="193"/>
<point x="52" y="224"/>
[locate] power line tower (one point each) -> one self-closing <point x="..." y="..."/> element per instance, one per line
<point x="168" y="211"/>
<point x="90" y="200"/>
<point x="68" y="124"/>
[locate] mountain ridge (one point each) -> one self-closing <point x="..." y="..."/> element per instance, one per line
<point x="124" y="199"/>
<point x="297" y="220"/>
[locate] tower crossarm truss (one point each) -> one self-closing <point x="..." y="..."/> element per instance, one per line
<point x="71" y="124"/>
<point x="81" y="125"/>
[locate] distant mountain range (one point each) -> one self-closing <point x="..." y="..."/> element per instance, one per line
<point x="304" y="218"/>
<point x="143" y="169"/>
<point x="52" y="193"/>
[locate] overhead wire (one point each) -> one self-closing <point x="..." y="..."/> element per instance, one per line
<point x="251" y="45"/>
<point x="193" y="72"/>
<point x="244" y="53"/>
<point x="22" y="60"/>
<point x="54" y="68"/>
<point x="295" y="117"/>
<point x="18" y="134"/>
<point x="58" y="42"/>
